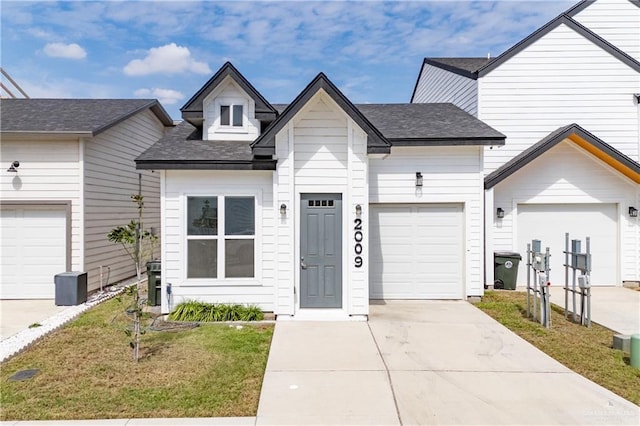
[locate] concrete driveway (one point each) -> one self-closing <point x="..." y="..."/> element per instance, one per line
<point x="424" y="362"/>
<point x="18" y="315"/>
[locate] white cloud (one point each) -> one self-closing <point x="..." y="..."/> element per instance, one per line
<point x="168" y="59"/>
<point x="68" y="51"/>
<point x="165" y="96"/>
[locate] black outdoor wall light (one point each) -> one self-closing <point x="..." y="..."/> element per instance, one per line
<point x="283" y="209"/>
<point x="13" y="168"/>
<point x="633" y="212"/>
<point x="418" y="179"/>
<point x="500" y="213"/>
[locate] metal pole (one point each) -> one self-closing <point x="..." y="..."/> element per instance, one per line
<point x="547" y="301"/>
<point x="573" y="290"/>
<point x="589" y="281"/>
<point x="528" y="275"/>
<point x="566" y="273"/>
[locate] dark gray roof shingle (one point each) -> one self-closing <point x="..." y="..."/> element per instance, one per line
<point x="183" y="144"/>
<point x="416" y="124"/>
<point x="72" y="115"/>
<point x="466" y="64"/>
<point x="401" y="124"/>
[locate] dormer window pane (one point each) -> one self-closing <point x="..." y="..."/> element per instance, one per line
<point x="225" y="115"/>
<point x="237" y="115"/>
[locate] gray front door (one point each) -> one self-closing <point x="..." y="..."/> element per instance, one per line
<point x="321" y="251"/>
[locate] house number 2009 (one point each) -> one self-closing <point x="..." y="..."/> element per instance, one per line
<point x="358" y="237"/>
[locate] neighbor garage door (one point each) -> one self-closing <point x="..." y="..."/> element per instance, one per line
<point x="550" y="222"/>
<point x="32" y="251"/>
<point x="416" y="251"/>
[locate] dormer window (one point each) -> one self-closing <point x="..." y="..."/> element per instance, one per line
<point x="231" y="115"/>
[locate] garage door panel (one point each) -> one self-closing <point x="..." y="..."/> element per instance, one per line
<point x="550" y="222"/>
<point x="33" y="251"/>
<point x="416" y="251"/>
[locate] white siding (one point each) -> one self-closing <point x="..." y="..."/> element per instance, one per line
<point x="323" y="151"/>
<point x="228" y="92"/>
<point x="179" y="185"/>
<point x="568" y="175"/>
<point x="562" y="78"/>
<point x="49" y="171"/>
<point x="437" y="85"/>
<point x="617" y="21"/>
<point x="110" y="178"/>
<point x="450" y="175"/>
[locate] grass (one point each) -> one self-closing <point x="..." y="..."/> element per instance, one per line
<point x="87" y="371"/>
<point x="586" y="351"/>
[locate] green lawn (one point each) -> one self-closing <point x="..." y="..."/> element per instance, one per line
<point x="87" y="371"/>
<point x="586" y="351"/>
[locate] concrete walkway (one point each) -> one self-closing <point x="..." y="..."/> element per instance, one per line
<point x="425" y="363"/>
<point x="617" y="308"/>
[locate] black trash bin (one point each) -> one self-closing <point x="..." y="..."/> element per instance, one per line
<point x="506" y="269"/>
<point x="154" y="283"/>
<point x="71" y="288"/>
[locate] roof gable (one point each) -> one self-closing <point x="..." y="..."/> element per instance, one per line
<point x="73" y="116"/>
<point x="580" y="137"/>
<point x="192" y="111"/>
<point x="541" y="32"/>
<point x="376" y="142"/>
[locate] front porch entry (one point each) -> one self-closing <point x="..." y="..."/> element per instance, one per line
<point x="321" y="251"/>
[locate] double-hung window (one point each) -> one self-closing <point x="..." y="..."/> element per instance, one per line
<point x="221" y="237"/>
<point x="231" y="115"/>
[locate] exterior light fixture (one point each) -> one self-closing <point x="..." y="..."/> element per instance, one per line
<point x="283" y="209"/>
<point x="499" y="213"/>
<point x="13" y="168"/>
<point x="418" y="179"/>
<point x="633" y="212"/>
<point x="358" y="209"/>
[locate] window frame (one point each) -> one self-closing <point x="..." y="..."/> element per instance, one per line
<point x="231" y="103"/>
<point x="221" y="237"/>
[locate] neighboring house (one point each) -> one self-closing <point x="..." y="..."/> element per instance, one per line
<point x="567" y="97"/>
<point x="73" y="185"/>
<point x="313" y="208"/>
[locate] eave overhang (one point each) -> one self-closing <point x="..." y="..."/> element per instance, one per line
<point x="582" y="138"/>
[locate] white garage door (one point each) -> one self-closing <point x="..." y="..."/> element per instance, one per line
<point x="416" y="251"/>
<point x="550" y="222"/>
<point x="32" y="251"/>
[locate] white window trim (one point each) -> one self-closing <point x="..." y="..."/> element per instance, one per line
<point x="220" y="280"/>
<point x="219" y="102"/>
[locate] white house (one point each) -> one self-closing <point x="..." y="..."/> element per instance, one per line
<point x="313" y="208"/>
<point x="567" y="98"/>
<point x="66" y="180"/>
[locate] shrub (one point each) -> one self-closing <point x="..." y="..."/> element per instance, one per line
<point x="193" y="310"/>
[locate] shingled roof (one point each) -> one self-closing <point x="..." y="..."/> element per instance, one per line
<point x="72" y="116"/>
<point x="183" y="148"/>
<point x="429" y="124"/>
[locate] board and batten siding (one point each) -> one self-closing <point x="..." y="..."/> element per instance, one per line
<point x="617" y="21"/>
<point x="437" y="86"/>
<point x="49" y="171"/>
<point x="110" y="179"/>
<point x="450" y="175"/>
<point x="321" y="150"/>
<point x="560" y="79"/>
<point x="178" y="185"/>
<point x="566" y="174"/>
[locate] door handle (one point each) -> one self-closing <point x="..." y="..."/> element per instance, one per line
<point x="302" y="264"/>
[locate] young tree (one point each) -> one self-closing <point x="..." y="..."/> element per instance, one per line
<point x="138" y="243"/>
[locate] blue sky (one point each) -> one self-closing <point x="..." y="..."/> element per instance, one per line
<point x="167" y="50"/>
